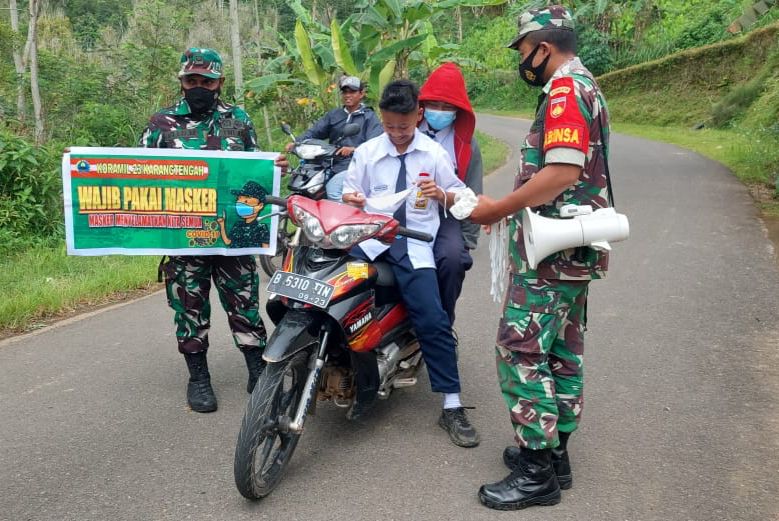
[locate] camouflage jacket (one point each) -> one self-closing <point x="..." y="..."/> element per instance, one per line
<point x="566" y="129"/>
<point x="226" y="128"/>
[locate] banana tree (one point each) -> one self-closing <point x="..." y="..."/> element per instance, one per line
<point x="378" y="42"/>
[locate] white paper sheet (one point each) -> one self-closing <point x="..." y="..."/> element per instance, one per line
<point x="387" y="204"/>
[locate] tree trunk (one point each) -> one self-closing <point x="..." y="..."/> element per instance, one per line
<point x="35" y="9"/>
<point x="19" y="65"/>
<point x="459" y="25"/>
<point x="267" y="127"/>
<point x="235" y="39"/>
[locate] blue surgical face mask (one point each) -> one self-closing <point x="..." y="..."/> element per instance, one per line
<point x="243" y="209"/>
<point x="440" y="119"/>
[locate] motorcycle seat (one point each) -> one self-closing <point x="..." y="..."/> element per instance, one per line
<point x="386" y="276"/>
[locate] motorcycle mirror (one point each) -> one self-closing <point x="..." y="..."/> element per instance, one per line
<point x="286" y="129"/>
<point x="350" y="129"/>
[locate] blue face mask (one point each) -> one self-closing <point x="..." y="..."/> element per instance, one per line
<point x="243" y="209"/>
<point x="440" y="119"/>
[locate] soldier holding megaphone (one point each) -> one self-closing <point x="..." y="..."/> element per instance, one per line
<point x="553" y="256"/>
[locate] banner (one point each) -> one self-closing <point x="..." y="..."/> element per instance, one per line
<point x="149" y="201"/>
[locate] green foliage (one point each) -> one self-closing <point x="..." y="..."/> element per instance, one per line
<point x="486" y="44"/>
<point x="708" y="28"/>
<point x="736" y="102"/>
<point x="683" y="88"/>
<point x="594" y="51"/>
<point x="732" y="85"/>
<point x="382" y="39"/>
<point x="30" y="193"/>
<point x="87" y="17"/>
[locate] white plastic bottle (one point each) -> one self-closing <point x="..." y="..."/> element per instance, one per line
<point x="421" y="200"/>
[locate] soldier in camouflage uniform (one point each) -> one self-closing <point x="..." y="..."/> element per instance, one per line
<point x="540" y="336"/>
<point x="202" y="121"/>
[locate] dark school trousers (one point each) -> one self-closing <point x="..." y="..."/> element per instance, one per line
<point x="419" y="290"/>
<point x="452" y="260"/>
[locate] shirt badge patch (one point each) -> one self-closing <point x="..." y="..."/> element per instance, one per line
<point x="557" y="107"/>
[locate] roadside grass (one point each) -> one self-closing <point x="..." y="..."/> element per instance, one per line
<point x="494" y="152"/>
<point x="43" y="283"/>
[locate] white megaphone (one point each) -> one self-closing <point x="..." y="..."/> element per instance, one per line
<point x="545" y="236"/>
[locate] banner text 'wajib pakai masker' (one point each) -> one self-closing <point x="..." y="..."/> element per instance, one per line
<point x="137" y="201"/>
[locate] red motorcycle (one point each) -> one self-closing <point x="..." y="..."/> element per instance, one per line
<point x="333" y="314"/>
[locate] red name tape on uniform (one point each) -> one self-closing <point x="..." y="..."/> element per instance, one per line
<point x="564" y="124"/>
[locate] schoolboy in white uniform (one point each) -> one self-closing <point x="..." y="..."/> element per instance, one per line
<point x="391" y="163"/>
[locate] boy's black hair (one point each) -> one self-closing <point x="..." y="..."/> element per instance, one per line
<point x="400" y="96"/>
<point x="563" y="39"/>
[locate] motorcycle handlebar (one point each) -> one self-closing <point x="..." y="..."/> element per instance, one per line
<point x="277" y="201"/>
<point x="413" y="234"/>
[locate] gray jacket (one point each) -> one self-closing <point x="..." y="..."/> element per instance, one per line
<point x="331" y="126"/>
<point x="474" y="180"/>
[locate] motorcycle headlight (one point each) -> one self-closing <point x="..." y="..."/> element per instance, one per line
<point x="308" y="151"/>
<point x="316" y="182"/>
<point x="348" y="235"/>
<point x="310" y="225"/>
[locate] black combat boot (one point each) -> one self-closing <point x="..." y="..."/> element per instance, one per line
<point x="560" y="462"/>
<point x="200" y="395"/>
<point x="532" y="482"/>
<point x="255" y="364"/>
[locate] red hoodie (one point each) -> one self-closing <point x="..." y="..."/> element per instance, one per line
<point x="447" y="84"/>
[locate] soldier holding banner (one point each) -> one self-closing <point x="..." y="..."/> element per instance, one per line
<point x="200" y="120"/>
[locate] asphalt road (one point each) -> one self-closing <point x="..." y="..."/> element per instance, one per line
<point x="681" y="419"/>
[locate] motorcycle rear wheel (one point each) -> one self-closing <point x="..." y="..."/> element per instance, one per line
<point x="263" y="449"/>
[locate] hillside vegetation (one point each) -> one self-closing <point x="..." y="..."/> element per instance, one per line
<point x="720" y="85"/>
<point x="721" y="99"/>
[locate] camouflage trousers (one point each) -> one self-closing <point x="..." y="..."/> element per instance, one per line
<point x="539" y="350"/>
<point x="188" y="283"/>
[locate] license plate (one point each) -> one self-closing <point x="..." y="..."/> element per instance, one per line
<point x="300" y="288"/>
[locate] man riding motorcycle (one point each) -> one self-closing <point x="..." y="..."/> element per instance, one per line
<point x="331" y="126"/>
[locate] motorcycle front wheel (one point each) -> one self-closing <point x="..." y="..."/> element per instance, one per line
<point x="264" y="449"/>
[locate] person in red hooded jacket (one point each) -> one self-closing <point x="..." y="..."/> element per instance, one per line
<point x="449" y="119"/>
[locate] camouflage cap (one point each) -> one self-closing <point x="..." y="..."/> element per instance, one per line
<point x="251" y="189"/>
<point x="551" y="17"/>
<point x="205" y="62"/>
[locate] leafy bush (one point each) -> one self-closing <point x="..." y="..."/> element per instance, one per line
<point x="30" y="193"/>
<point x="594" y="51"/>
<point x="708" y="27"/>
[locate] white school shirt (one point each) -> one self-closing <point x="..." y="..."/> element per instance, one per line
<point x="374" y="171"/>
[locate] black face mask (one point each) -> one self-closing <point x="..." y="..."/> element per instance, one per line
<point x="200" y="99"/>
<point x="533" y="76"/>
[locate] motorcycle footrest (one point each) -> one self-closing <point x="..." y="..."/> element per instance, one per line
<point x="404" y="382"/>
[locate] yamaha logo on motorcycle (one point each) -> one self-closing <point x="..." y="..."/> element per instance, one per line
<point x="361" y="322"/>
